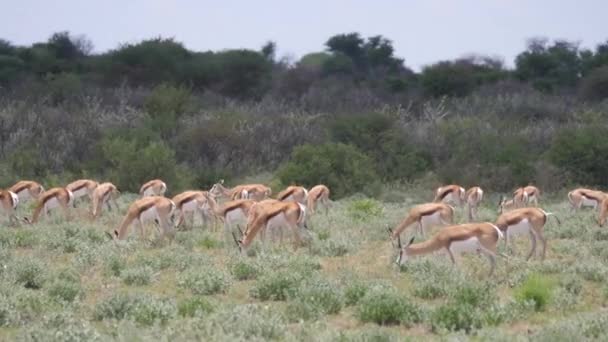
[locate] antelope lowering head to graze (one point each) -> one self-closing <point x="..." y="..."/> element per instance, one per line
<point x="293" y="193"/>
<point x="470" y="237"/>
<point x="425" y="214"/>
<point x="256" y="192"/>
<point x="533" y="194"/>
<point x="519" y="200"/>
<point x="231" y="213"/>
<point x="27" y="190"/>
<point x="155" y="187"/>
<point x="318" y="194"/>
<point x="149" y="208"/>
<point x="103" y="194"/>
<point x="82" y="187"/>
<point x="582" y="197"/>
<point x="473" y="197"/>
<point x="525" y="220"/>
<point x="9" y="201"/>
<point x="50" y="199"/>
<point x="191" y="202"/>
<point x="272" y="213"/>
<point x="454" y="194"/>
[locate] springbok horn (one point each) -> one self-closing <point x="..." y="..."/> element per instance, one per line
<point x="239" y="228"/>
<point x="235" y="240"/>
<point x="399" y="241"/>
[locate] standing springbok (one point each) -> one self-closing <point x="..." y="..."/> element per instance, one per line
<point x="231" y="213"/>
<point x="293" y="193"/>
<point x="470" y="237"/>
<point x="272" y="213"/>
<point x="473" y="197"/>
<point x="318" y="194"/>
<point x="191" y="202"/>
<point x="149" y="208"/>
<point x="450" y="194"/>
<point x="525" y="220"/>
<point x="425" y="215"/>
<point x="582" y="197"/>
<point x="82" y="187"/>
<point x="50" y="199"/>
<point x="155" y="187"/>
<point x="103" y="194"/>
<point x="256" y="192"/>
<point x="603" y="212"/>
<point x="26" y="190"/>
<point x="9" y="201"/>
<point x="519" y="200"/>
<point x="533" y="194"/>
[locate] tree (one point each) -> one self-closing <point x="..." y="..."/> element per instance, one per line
<point x="269" y="50"/>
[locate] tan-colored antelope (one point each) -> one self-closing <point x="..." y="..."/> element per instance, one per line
<point x="51" y="199"/>
<point x="525" y="220"/>
<point x="519" y="200"/>
<point x="149" y="208"/>
<point x="318" y="194"/>
<point x="9" y="201"/>
<point x="582" y="197"/>
<point x="293" y="193"/>
<point x="269" y="214"/>
<point x="450" y="194"/>
<point x="191" y="202"/>
<point x="533" y="194"/>
<point x="473" y="197"/>
<point x="104" y="194"/>
<point x="603" y="212"/>
<point x="469" y="237"/>
<point x="26" y="190"/>
<point x="426" y="215"/>
<point x="81" y="188"/>
<point x="256" y="192"/>
<point x="231" y="213"/>
<point x="155" y="187"/>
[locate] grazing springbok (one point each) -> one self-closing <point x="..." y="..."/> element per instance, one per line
<point x="603" y="212"/>
<point x="256" y="192"/>
<point x="582" y="197"/>
<point x="104" y="194"/>
<point x="318" y="194"/>
<point x="470" y="237"/>
<point x="149" y="208"/>
<point x="26" y="190"/>
<point x="293" y="193"/>
<point x="50" y="199"/>
<point x="155" y="187"/>
<point x="525" y="220"/>
<point x="81" y="188"/>
<point x="9" y="201"/>
<point x="453" y="194"/>
<point x="191" y="202"/>
<point x="532" y="194"/>
<point x="425" y="215"/>
<point x="473" y="197"/>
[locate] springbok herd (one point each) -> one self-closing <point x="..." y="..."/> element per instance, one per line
<point x="252" y="204"/>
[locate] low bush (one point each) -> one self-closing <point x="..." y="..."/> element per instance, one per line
<point x="143" y="309"/>
<point x="536" y="289"/>
<point x="194" y="306"/>
<point x="30" y="273"/>
<point x="204" y="281"/>
<point x="364" y="209"/>
<point x="244" y="270"/>
<point x="278" y="285"/>
<point x="385" y="306"/>
<point x="140" y="275"/>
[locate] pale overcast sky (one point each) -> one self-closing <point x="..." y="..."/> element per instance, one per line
<point x="423" y="31"/>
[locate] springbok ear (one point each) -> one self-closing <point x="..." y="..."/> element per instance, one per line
<point x="411" y="240"/>
<point x="221" y="181"/>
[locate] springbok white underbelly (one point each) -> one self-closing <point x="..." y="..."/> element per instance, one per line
<point x="191" y="205"/>
<point x="24" y="194"/>
<point x="520" y="228"/>
<point x="235" y="215"/>
<point x="431" y="220"/>
<point x="52" y="203"/>
<point x="588" y="202"/>
<point x="469" y="245"/>
<point x="80" y="192"/>
<point x="149" y="214"/>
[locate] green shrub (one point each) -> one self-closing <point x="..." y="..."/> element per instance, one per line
<point x="536" y="289"/>
<point x="204" y="281"/>
<point x="354" y="291"/>
<point x="143" y="309"/>
<point x="244" y="270"/>
<point x="456" y="317"/>
<point x="64" y="290"/>
<point x="30" y="273"/>
<point x="115" y="264"/>
<point x="194" y="306"/>
<point x="250" y="321"/>
<point x="343" y="168"/>
<point x="60" y="327"/>
<point x="365" y="209"/>
<point x="141" y="275"/>
<point x="384" y="306"/>
<point x="321" y="294"/>
<point x="278" y="285"/>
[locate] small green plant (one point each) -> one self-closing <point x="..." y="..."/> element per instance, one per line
<point x="194" y="306"/>
<point x="385" y="306"/>
<point x="455" y="317"/>
<point x="141" y="275"/>
<point x="364" y="209"/>
<point x="115" y="264"/>
<point x="354" y="292"/>
<point x="244" y="270"/>
<point x="64" y="290"/>
<point x="206" y="281"/>
<point x="276" y="285"/>
<point x="536" y="289"/>
<point x="143" y="309"/>
<point x="321" y="294"/>
<point x="31" y="273"/>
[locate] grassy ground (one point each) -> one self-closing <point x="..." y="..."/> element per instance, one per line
<point x="67" y="282"/>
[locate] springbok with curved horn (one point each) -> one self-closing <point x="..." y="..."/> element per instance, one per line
<point x="425" y="215"/>
<point x="155" y="187"/>
<point x="318" y="194"/>
<point x="104" y="194"/>
<point x="50" y="199"/>
<point x="272" y="213"/>
<point x="26" y="190"/>
<point x="82" y="187"/>
<point x="525" y="220"/>
<point x="473" y="197"/>
<point x="454" y="194"/>
<point x="469" y="237"/>
<point x="582" y="197"/>
<point x="9" y="201"/>
<point x="149" y="208"/>
<point x="293" y="193"/>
